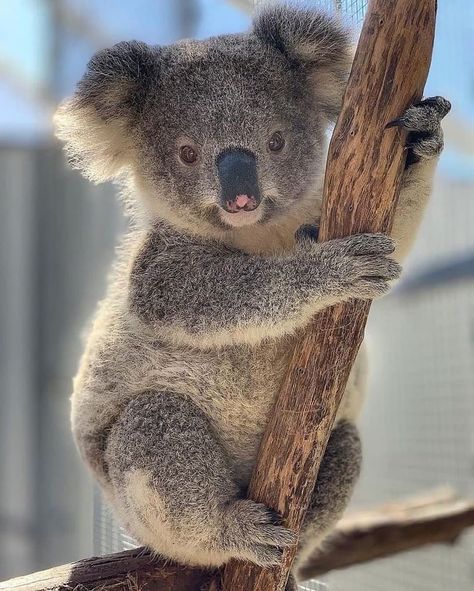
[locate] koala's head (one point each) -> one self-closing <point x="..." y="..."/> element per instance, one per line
<point x="220" y="133"/>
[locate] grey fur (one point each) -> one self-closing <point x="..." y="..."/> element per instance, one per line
<point x="170" y="441"/>
<point x="338" y="474"/>
<point x="189" y="347"/>
<point x="176" y="285"/>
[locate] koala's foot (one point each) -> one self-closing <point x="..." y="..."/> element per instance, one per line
<point x="423" y="122"/>
<point x="255" y="533"/>
<point x="358" y="266"/>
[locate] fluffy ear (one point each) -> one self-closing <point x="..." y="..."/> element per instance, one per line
<point x="313" y="40"/>
<point x="96" y="123"/>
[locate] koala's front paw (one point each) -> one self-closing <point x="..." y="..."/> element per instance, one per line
<point x="256" y="533"/>
<point x="423" y="122"/>
<point x="358" y="266"/>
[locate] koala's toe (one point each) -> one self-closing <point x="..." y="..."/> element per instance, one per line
<point x="367" y="244"/>
<point x="442" y="105"/>
<point x="261" y="525"/>
<point x="371" y="288"/>
<point x="373" y="276"/>
<point x="257" y="531"/>
<point x="275" y="535"/>
<point x="375" y="267"/>
<point x="265" y="556"/>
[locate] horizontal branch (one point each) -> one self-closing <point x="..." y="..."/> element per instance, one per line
<point x="131" y="570"/>
<point x="362" y="537"/>
<point x="391" y="529"/>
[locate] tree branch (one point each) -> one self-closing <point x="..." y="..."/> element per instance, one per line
<point x="389" y="530"/>
<point x="363" y="176"/>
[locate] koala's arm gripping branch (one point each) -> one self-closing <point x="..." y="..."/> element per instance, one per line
<point x="269" y="295"/>
<point x="363" y="175"/>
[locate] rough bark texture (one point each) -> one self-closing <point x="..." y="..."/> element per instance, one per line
<point x="359" y="538"/>
<point x="132" y="570"/>
<point x="363" y="175"/>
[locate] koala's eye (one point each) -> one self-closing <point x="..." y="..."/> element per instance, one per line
<point x="276" y="143"/>
<point x="188" y="154"/>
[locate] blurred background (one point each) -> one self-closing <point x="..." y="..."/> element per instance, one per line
<point x="57" y="236"/>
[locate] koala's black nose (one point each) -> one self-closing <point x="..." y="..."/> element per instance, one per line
<point x="238" y="178"/>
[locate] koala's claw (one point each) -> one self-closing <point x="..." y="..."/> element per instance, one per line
<point x="423" y="122"/>
<point x="423" y="116"/>
<point x="258" y="532"/>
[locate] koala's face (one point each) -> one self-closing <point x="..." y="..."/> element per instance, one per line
<point x="228" y="133"/>
<point x="220" y="133"/>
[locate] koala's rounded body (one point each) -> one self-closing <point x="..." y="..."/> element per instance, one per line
<point x="233" y="387"/>
<point x="220" y="145"/>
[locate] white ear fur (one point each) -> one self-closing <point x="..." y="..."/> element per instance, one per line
<point x="329" y="84"/>
<point x="96" y="123"/>
<point x="100" y="149"/>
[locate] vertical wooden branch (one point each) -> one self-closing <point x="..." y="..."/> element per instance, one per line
<point x="363" y="174"/>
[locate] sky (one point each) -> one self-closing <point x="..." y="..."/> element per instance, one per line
<point x="36" y="64"/>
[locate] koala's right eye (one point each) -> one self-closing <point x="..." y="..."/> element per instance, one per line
<point x="188" y="154"/>
<point x="276" y="143"/>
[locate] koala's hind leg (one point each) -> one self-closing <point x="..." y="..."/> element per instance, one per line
<point x="337" y="477"/>
<point x="175" y="492"/>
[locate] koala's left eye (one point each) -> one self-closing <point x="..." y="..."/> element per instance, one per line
<point x="188" y="154"/>
<point x="277" y="142"/>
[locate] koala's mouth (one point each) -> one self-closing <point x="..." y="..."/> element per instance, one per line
<point x="241" y="203"/>
<point x="241" y="217"/>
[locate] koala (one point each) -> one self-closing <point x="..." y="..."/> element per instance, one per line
<point x="220" y="146"/>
